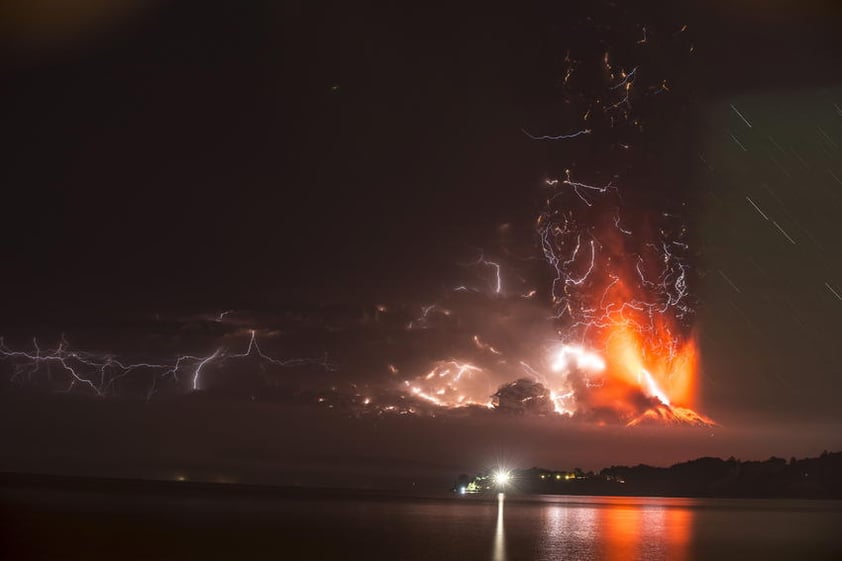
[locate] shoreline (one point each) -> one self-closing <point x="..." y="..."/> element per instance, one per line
<point x="17" y="481"/>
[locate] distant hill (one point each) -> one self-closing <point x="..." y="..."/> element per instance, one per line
<point x="808" y="478"/>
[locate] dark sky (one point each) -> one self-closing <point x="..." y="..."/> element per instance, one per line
<point x="302" y="163"/>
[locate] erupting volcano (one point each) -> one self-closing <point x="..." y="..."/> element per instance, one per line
<point x="622" y="309"/>
<point x="620" y="288"/>
<point x="620" y="291"/>
<point x="609" y="340"/>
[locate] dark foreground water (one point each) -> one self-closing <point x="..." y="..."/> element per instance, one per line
<point x="62" y="524"/>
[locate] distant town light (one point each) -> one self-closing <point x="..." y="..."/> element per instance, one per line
<point x="502" y="477"/>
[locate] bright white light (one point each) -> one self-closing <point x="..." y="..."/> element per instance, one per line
<point x="653" y="389"/>
<point x="501" y="477"/>
<point x="571" y="355"/>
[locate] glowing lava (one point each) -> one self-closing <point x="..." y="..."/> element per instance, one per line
<point x="663" y="371"/>
<point x="636" y="381"/>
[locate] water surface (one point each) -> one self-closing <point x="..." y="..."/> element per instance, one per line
<point x="62" y="524"/>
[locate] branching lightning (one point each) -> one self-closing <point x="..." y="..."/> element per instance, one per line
<point x="101" y="373"/>
<point x="618" y="345"/>
<point x="567" y="136"/>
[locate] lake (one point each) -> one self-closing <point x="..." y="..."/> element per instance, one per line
<point x="72" y="524"/>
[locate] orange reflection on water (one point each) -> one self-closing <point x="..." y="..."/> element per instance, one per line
<point x="679" y="532"/>
<point x="619" y="530"/>
<point x="652" y="529"/>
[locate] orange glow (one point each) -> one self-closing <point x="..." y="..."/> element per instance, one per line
<point x="672" y="367"/>
<point x="644" y="353"/>
<point x="634" y="362"/>
<point x="679" y="529"/>
<point x="620" y="532"/>
<point x="628" y="529"/>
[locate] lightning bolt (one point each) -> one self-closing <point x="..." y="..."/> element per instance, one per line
<point x="100" y="373"/>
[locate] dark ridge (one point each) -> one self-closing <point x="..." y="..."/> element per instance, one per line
<point x="807" y="478"/>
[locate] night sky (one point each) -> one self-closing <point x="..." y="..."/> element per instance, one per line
<point x="178" y="174"/>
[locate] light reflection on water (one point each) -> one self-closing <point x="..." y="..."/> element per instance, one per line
<point x="323" y="526"/>
<point x="613" y="529"/>
<point x="616" y="529"/>
<point x="500" y="533"/>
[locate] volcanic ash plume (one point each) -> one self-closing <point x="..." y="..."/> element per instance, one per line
<point x="618" y="255"/>
<point x="610" y="340"/>
<point x="620" y="287"/>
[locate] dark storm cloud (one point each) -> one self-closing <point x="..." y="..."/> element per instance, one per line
<point x="207" y="438"/>
<point x="48" y="29"/>
<point x="302" y="166"/>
